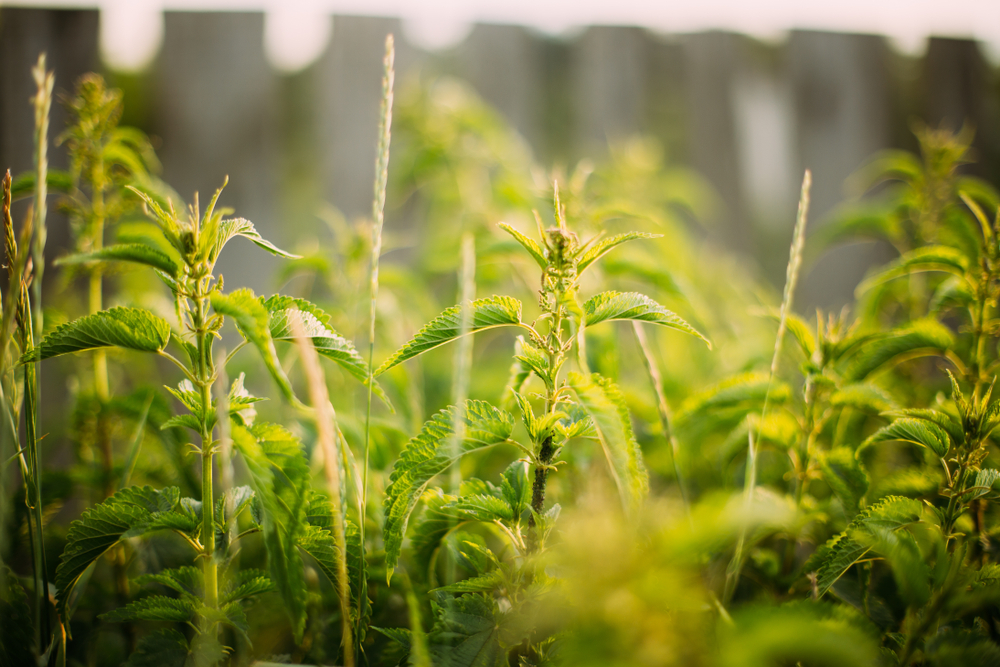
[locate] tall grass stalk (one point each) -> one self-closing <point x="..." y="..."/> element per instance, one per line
<point x="326" y="430"/>
<point x="791" y="280"/>
<point x="30" y="322"/>
<point x="463" y="365"/>
<point x="653" y="371"/>
<point x="378" y="209"/>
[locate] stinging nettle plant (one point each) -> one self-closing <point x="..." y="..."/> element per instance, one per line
<point x="488" y="615"/>
<point x="212" y="592"/>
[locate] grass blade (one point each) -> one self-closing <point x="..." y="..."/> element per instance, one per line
<point x="326" y="430"/>
<point x="791" y="279"/>
<point x="378" y="209"/>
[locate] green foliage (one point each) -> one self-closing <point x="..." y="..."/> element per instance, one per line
<point x="127" y="252"/>
<point x="430" y="453"/>
<point x="496" y="311"/>
<point x="129" y="328"/>
<point x="610" y="306"/>
<point x="253" y="320"/>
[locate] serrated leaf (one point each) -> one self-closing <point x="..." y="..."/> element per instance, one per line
<point x="842" y="472"/>
<point x="279" y="474"/>
<point x="533" y="248"/>
<point x="950" y="424"/>
<point x="985" y="479"/>
<point x="439" y="517"/>
<point x="232" y="227"/>
<point x="930" y="258"/>
<point x="484" y="508"/>
<point x="428" y="454"/>
<point x="137" y="253"/>
<point x="247" y="584"/>
<point x="153" y="608"/>
<point x="863" y="396"/>
<point x="918" y="339"/>
<point x="185" y="580"/>
<point x="601" y="248"/>
<point x="483" y="583"/>
<point x="128" y="513"/>
<point x="129" y="328"/>
<point x="163" y="648"/>
<point x="920" y="432"/>
<point x="608" y="306"/>
<point x="516" y="488"/>
<point x="606" y="406"/>
<point x="534" y="360"/>
<point x="495" y="311"/>
<point x="253" y="321"/>
<point x="835" y="558"/>
<point x="316" y="326"/>
<point x="469" y="633"/>
<point x="800" y="330"/>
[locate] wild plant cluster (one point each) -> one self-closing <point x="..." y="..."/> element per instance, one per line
<point x="605" y="494"/>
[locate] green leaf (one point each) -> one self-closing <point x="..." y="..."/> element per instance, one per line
<point x="129" y="328"/>
<point x="241" y="227"/>
<point x="726" y="403"/>
<point x="485" y="508"/>
<point x="247" y="584"/>
<point x="863" y="396"/>
<point x="495" y="311"/>
<point x="279" y="474"/>
<point x="930" y="258"/>
<point x="609" y="306"/>
<point x="163" y="648"/>
<point x="316" y="326"/>
<point x="126" y="252"/>
<point x="835" y="558"/>
<point x="985" y="480"/>
<point x="515" y="487"/>
<point x="603" y="401"/>
<point x="253" y="321"/>
<point x="153" y="608"/>
<point x="918" y="339"/>
<point x="57" y="180"/>
<point x="128" y="513"/>
<point x="533" y="248"/>
<point x="429" y="453"/>
<point x="469" y="633"/>
<point x="185" y="580"/>
<point x="950" y="424"/>
<point x="439" y="517"/>
<point x="918" y="431"/>
<point x="842" y="472"/>
<point x="601" y="248"/>
<point x="483" y="583"/>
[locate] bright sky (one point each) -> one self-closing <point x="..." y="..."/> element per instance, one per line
<point x="132" y="30"/>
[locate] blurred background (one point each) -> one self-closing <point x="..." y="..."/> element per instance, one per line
<point x="282" y="96"/>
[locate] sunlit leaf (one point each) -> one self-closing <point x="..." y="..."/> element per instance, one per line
<point x="129" y="328"/>
<point x="126" y="252"/>
<point x="609" y="306"/>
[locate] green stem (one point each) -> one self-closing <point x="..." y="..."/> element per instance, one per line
<point x="205" y="374"/>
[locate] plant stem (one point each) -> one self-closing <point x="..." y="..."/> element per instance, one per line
<point x="205" y="376"/>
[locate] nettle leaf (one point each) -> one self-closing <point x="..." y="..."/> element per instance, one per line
<point x="605" y="404"/>
<point x="253" y="321"/>
<point x="483" y="583"/>
<point x="985" y="480"/>
<point x="485" y="508"/>
<point x="319" y="542"/>
<point x="438" y="518"/>
<point x="835" y="558"/>
<point x="921" y="338"/>
<point x="137" y="253"/>
<point x="279" y="474"/>
<point x="731" y="398"/>
<point x="232" y="227"/>
<point x="533" y="359"/>
<point x="946" y="421"/>
<point x="430" y="453"/>
<point x="863" y="396"/>
<point x="799" y="328"/>
<point x="844" y="475"/>
<point x="601" y="248"/>
<point x="495" y="311"/>
<point x="533" y="248"/>
<point x="515" y="487"/>
<point x="163" y="648"/>
<point x="468" y="634"/>
<point x="153" y="608"/>
<point x="316" y="327"/>
<point x="128" y="513"/>
<point x="931" y="258"/>
<point x="185" y="580"/>
<point x="129" y="328"/>
<point x="918" y="431"/>
<point x="609" y="306"/>
<point x="245" y="584"/>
